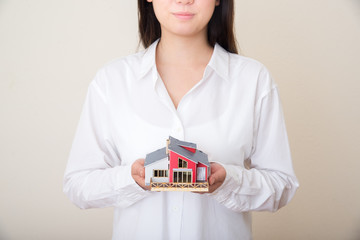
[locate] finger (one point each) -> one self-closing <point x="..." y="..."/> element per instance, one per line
<point x="212" y="180"/>
<point x="214" y="177"/>
<point x="212" y="188"/>
<point x="140" y="181"/>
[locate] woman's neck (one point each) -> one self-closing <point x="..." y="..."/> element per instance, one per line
<point x="181" y="63"/>
<point x="183" y="51"/>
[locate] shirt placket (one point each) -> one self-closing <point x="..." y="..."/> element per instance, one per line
<point x="177" y="131"/>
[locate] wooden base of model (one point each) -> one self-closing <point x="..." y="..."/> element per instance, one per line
<point x="180" y="187"/>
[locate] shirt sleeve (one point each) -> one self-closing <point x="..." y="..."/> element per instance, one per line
<point x="94" y="176"/>
<point x="269" y="183"/>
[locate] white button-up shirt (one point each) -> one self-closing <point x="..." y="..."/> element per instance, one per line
<point x="233" y="114"/>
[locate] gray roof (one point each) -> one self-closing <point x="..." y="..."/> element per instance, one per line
<point x="176" y="146"/>
<point x="181" y="143"/>
<point x="155" y="156"/>
<point x="196" y="157"/>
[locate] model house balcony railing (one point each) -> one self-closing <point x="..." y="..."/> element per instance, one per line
<point x="181" y="187"/>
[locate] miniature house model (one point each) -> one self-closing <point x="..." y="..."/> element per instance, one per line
<point x="177" y="167"/>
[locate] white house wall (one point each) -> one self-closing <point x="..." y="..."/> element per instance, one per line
<point x="200" y="174"/>
<point x="158" y="165"/>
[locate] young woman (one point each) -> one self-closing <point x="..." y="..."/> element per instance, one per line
<point x="189" y="83"/>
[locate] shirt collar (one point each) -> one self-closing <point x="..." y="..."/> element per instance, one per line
<point x="148" y="64"/>
<point x="219" y="62"/>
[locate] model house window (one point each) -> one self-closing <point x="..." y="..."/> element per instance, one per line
<point x="182" y="163"/>
<point x="182" y="177"/>
<point x="160" y="173"/>
<point x="189" y="176"/>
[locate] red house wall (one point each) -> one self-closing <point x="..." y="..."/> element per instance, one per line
<point x="174" y="164"/>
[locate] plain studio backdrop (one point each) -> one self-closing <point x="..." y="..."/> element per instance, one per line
<point x="50" y="51"/>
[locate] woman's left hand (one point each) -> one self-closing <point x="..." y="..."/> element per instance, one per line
<point x="217" y="177"/>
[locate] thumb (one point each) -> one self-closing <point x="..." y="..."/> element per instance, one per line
<point x="212" y="179"/>
<point x="141" y="172"/>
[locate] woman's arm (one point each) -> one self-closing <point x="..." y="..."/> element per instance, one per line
<point x="95" y="176"/>
<point x="270" y="182"/>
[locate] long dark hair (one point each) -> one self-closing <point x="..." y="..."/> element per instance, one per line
<point x="220" y="27"/>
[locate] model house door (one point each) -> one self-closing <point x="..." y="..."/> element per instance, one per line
<point x="201" y="174"/>
<point x="182" y="177"/>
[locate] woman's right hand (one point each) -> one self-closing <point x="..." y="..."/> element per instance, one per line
<point x="138" y="173"/>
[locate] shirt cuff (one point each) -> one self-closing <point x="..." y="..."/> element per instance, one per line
<point x="129" y="191"/>
<point x="228" y="187"/>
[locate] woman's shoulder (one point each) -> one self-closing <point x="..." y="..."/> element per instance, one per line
<point x="247" y="71"/>
<point x="246" y="63"/>
<point x="129" y="66"/>
<point x="120" y="72"/>
<point x="129" y="62"/>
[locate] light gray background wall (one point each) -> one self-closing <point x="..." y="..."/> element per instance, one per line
<point x="50" y="50"/>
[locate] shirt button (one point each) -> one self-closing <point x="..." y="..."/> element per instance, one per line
<point x="179" y="129"/>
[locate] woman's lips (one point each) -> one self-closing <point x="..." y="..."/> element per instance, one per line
<point x="183" y="15"/>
